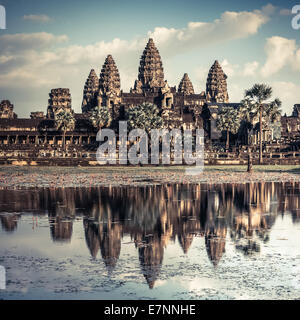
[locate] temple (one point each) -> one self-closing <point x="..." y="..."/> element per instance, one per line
<point x="36" y="140"/>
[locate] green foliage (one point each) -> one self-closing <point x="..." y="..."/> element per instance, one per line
<point x="228" y="120"/>
<point x="144" y="116"/>
<point x="259" y="92"/>
<point x="64" y="120"/>
<point x="100" y="117"/>
<point x="255" y="102"/>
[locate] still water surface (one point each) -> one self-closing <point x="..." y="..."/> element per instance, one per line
<point x="227" y="241"/>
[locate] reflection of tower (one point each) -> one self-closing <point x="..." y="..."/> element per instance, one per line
<point x="91" y="236"/>
<point x="215" y="240"/>
<point x="151" y="258"/>
<point x="9" y="222"/>
<point x="185" y="240"/>
<point x="61" y="229"/>
<point x="110" y="243"/>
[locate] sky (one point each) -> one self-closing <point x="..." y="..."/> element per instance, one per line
<point x="53" y="44"/>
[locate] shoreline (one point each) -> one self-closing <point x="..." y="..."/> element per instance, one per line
<point x="55" y="177"/>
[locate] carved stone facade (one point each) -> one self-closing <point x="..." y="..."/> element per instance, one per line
<point x="109" y="84"/>
<point x="58" y="99"/>
<point x="185" y="85"/>
<point x="90" y="92"/>
<point x="216" y="84"/>
<point x="7" y="110"/>
<point x="151" y="72"/>
<point x="37" y="115"/>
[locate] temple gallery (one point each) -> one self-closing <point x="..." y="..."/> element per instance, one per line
<point x="60" y="136"/>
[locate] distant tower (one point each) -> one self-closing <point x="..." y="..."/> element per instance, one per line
<point x="185" y="85"/>
<point x="59" y="98"/>
<point x="7" y="110"/>
<point x="90" y="92"/>
<point x="216" y="85"/>
<point x="109" y="83"/>
<point x="151" y="72"/>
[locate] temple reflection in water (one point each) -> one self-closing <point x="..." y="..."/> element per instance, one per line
<point x="153" y="216"/>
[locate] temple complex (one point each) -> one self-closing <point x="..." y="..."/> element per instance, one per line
<point x="36" y="140"/>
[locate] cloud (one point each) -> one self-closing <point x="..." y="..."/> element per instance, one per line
<point x="230" y="26"/>
<point x="41" y="18"/>
<point x="20" y="42"/>
<point x="285" y="12"/>
<point x="43" y="60"/>
<point x="250" y="68"/>
<point x="280" y="52"/>
<point x="288" y="92"/>
<point x="268" y="9"/>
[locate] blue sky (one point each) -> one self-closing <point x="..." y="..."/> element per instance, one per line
<point x="49" y="44"/>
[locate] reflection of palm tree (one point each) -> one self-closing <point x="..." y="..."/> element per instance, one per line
<point x="9" y="221"/>
<point x="61" y="229"/>
<point x="215" y="240"/>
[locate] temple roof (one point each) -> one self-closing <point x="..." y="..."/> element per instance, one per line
<point x="109" y="77"/>
<point x="216" y="85"/>
<point x="151" y="73"/>
<point x="185" y="85"/>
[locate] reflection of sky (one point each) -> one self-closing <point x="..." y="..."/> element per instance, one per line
<point x="32" y="256"/>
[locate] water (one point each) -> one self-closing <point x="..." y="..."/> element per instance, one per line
<point x="230" y="241"/>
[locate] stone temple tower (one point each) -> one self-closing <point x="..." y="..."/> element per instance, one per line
<point x="90" y="92"/>
<point x="185" y="85"/>
<point x="216" y="84"/>
<point x="109" y="83"/>
<point x="59" y="99"/>
<point x="151" y="72"/>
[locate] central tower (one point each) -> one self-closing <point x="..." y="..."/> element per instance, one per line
<point x="151" y="72"/>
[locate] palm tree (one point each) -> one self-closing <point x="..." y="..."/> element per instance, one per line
<point x="255" y="105"/>
<point x="64" y="120"/>
<point x="100" y="117"/>
<point x="144" y="116"/>
<point x="229" y="121"/>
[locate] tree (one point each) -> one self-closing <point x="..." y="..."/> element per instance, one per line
<point x="229" y="121"/>
<point x="144" y="116"/>
<point x="64" y="120"/>
<point x="100" y="117"/>
<point x="256" y="105"/>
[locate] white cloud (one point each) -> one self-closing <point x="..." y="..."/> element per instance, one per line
<point x="250" y="68"/>
<point x="42" y="18"/>
<point x="20" y="42"/>
<point x="281" y="52"/>
<point x="42" y="60"/>
<point x="230" y="26"/>
<point x="268" y="9"/>
<point x="288" y="93"/>
<point x="229" y="69"/>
